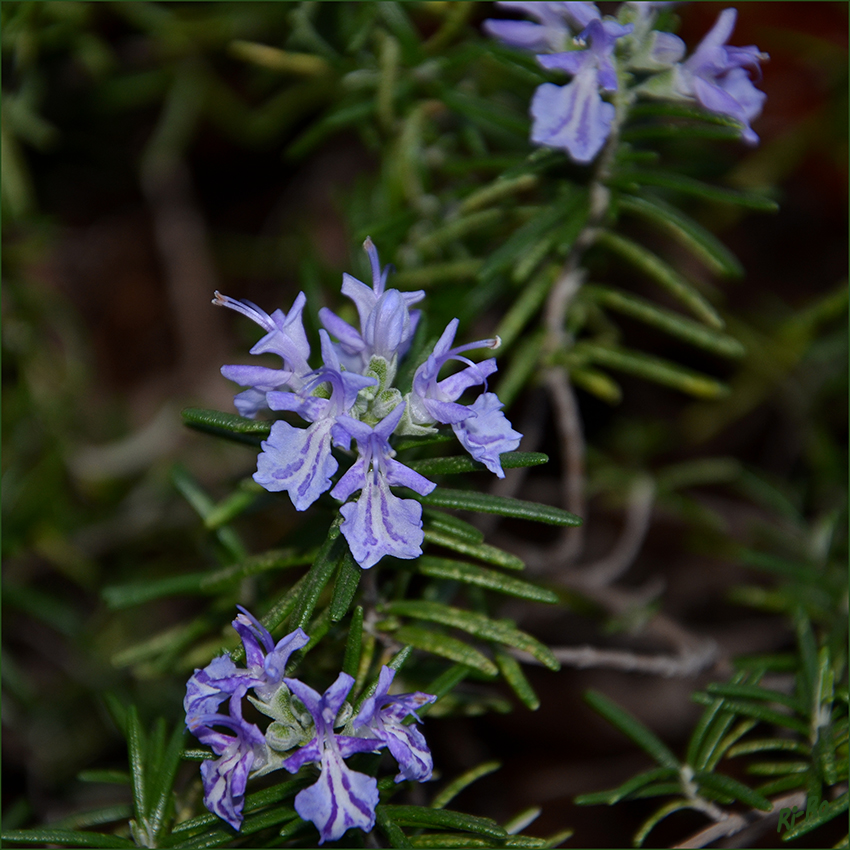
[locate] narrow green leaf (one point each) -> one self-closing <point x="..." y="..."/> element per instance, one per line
<point x="469" y="500"/>
<point x="522" y="367"/>
<point x="653" y="820"/>
<point x="446" y="682"/>
<point x="530" y="300"/>
<point x="390" y="828"/>
<point x="452" y="526"/>
<point x="436" y="274"/>
<point x="457" y="785"/>
<point x="423" y="816"/>
<point x="486" y="114"/>
<point x="656" y="774"/>
<point x="111" y="777"/>
<point x="808" y="653"/>
<point x="274" y="559"/>
<point x="596" y="383"/>
<point x="511" y="670"/>
<point x="666" y="320"/>
<point x="319" y="575"/>
<point x="464" y="463"/>
<point x="96" y="817"/>
<point x="652" y="368"/>
<point x="482" y="551"/>
<point x="738" y="731"/>
<point x="498" y="189"/>
<point x="355" y="113"/>
<point x="664" y="274"/>
<point x="754" y="692"/>
<point x="457" y="229"/>
<point x="235" y="504"/>
<point x="728" y="786"/>
<point x="318" y="628"/>
<point x="763" y="745"/>
<point x="347" y="581"/>
<point x="452" y="839"/>
<point x="446" y="647"/>
<point x="690" y="233"/>
<point x="482" y="577"/>
<point x="136" y="745"/>
<point x="270" y="817"/>
<point x="204" y="506"/>
<point x="633" y="728"/>
<point x="475" y="624"/>
<point x="162" y="783"/>
<point x="136" y="593"/>
<point x="777" y="768"/>
<point x="756" y="710"/>
<point x="228" y="425"/>
<point x="354" y="643"/>
<point x="66" y="838"/>
<point x="696" y="188"/>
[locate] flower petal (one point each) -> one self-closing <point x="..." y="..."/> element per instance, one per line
<point x="297" y="460"/>
<point x="379" y="524"/>
<point x="339" y="800"/>
<point x="488" y="434"/>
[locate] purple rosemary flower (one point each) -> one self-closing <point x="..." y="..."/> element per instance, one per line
<point x="341" y="798"/>
<point x="379" y="523"/>
<point x="486" y="433"/>
<point x="285" y="337"/>
<point x="266" y="659"/>
<point x="387" y="324"/>
<point x="224" y="779"/>
<point x="556" y="23"/>
<point x="245" y="750"/>
<point x="481" y="427"/>
<point x="719" y="77"/>
<point x="432" y="401"/>
<point x="299" y="460"/>
<point x="382" y="716"/>
<point x="574" y="117"/>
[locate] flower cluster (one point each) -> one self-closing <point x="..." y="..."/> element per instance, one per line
<point x="602" y="53"/>
<point x="351" y="397"/>
<point x="302" y="732"/>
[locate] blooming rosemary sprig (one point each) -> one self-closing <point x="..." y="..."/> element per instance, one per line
<point x="352" y="396"/>
<point x="599" y="53"/>
<point x="341" y="798"/>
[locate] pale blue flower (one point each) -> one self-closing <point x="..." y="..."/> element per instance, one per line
<point x="719" y="77"/>
<point x="487" y="433"/>
<point x="284" y="337"/>
<point x="434" y="401"/>
<point x="224" y="779"/>
<point x="574" y="117"/>
<point x="244" y="750"/>
<point x="379" y="523"/>
<point x="387" y="324"/>
<point x="553" y="32"/>
<point x="299" y="460"/>
<point x="382" y="716"/>
<point x="341" y="798"/>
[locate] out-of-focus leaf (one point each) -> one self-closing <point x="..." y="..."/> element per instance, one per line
<point x="354" y="643"/>
<point x="664" y="274"/>
<point x="666" y="320"/>
<point x="690" y="233"/>
<point x="227" y="425"/>
<point x="454" y="788"/>
<point x="652" y="368"/>
<point x="511" y="670"/>
<point x="633" y="728"/>
<point x="66" y="838"/>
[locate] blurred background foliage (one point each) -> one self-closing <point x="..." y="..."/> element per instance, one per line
<point x="155" y="152"/>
